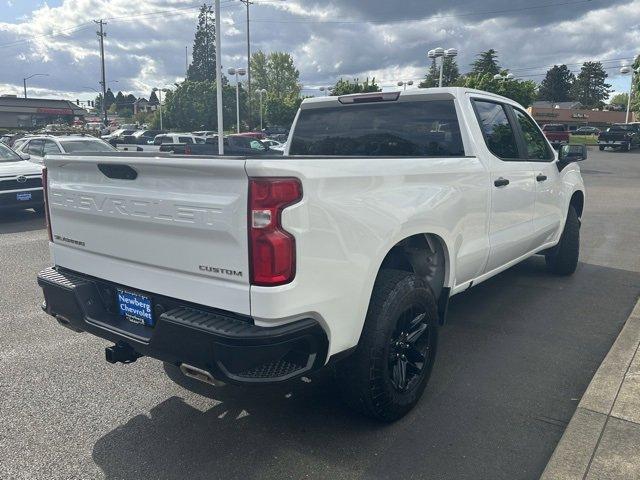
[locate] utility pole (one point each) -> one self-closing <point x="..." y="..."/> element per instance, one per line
<point x="101" y="34"/>
<point x="250" y="120"/>
<point x="186" y="61"/>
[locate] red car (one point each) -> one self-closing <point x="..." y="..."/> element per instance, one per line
<point x="258" y="135"/>
<point x="556" y="133"/>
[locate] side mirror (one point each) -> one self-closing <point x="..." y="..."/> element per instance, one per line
<point x="24" y="156"/>
<point x="571" y="153"/>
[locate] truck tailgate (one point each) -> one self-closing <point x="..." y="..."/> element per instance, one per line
<point x="179" y="228"/>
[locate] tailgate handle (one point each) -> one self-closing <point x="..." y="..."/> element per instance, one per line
<point x="119" y="172"/>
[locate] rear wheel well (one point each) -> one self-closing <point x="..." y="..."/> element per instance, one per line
<point x="577" y="202"/>
<point x="423" y="254"/>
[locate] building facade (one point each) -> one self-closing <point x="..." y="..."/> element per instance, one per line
<point x="573" y="115"/>
<point x="30" y="113"/>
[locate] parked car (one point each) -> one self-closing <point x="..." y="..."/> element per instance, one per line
<point x="272" y="143"/>
<point x="117" y="136"/>
<point x="40" y="145"/>
<point x="257" y="269"/>
<point x="586" y="130"/>
<point x="557" y="134"/>
<point x="178" y="138"/>
<point x="141" y="137"/>
<point x="620" y="136"/>
<point x="206" y="133"/>
<point x="233" y="145"/>
<point x="20" y="182"/>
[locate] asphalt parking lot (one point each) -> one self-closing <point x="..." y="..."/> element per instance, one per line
<point x="515" y="358"/>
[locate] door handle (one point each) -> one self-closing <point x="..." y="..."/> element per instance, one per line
<point x="541" y="177"/>
<point x="501" y="182"/>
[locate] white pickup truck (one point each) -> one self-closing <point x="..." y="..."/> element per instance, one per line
<point x="343" y="252"/>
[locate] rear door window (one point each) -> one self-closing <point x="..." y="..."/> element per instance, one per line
<point x="407" y="129"/>
<point x="497" y="130"/>
<point x="185" y="140"/>
<point x="50" y="147"/>
<point x="35" y="147"/>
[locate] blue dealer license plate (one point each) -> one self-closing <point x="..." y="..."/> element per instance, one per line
<point x="135" y="307"/>
<point x="23" y="196"/>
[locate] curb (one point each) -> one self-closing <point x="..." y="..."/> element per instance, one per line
<point x="576" y="450"/>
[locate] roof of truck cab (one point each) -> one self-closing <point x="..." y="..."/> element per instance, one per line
<point x="437" y="92"/>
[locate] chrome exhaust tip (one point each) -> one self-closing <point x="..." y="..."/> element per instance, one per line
<point x="199" y="374"/>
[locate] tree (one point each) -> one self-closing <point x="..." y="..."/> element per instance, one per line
<point x="522" y="91"/>
<point x="109" y="99"/>
<point x="450" y="74"/>
<point x="153" y="98"/>
<point x="276" y="73"/>
<point x="203" y="64"/>
<point x="556" y="86"/>
<point x="120" y="101"/>
<point x="486" y="63"/>
<point x="589" y="87"/>
<point x="619" y="99"/>
<point x="635" y="90"/>
<point x="345" y="87"/>
<point x="192" y="106"/>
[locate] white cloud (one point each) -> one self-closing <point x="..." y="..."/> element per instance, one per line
<point x="145" y="45"/>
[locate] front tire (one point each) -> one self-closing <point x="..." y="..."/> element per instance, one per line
<point x="563" y="258"/>
<point x="387" y="374"/>
<point x="601" y="148"/>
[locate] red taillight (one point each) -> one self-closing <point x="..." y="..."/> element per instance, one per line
<point x="272" y="250"/>
<point x="45" y="191"/>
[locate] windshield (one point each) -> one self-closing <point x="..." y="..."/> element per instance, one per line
<point x="620" y="128"/>
<point x="426" y="128"/>
<point x="8" y="155"/>
<point x="86" y="146"/>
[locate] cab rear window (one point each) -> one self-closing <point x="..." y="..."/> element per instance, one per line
<point x="407" y="129"/>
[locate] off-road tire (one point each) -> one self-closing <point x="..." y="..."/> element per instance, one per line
<point x="563" y="258"/>
<point x="366" y="377"/>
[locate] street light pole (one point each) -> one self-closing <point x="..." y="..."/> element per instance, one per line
<point x="624" y="71"/>
<point x="261" y="92"/>
<point x="444" y="54"/>
<point x="404" y="84"/>
<point x="236" y="72"/>
<point x="160" y="90"/>
<point x="504" y="78"/>
<point x="24" y="80"/>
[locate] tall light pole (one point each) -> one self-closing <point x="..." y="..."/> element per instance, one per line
<point x="24" y="80"/>
<point x="504" y="78"/>
<point x="219" y="80"/>
<point x="237" y="72"/>
<point x="247" y="3"/>
<point x="160" y="90"/>
<point x="444" y="54"/>
<point x="632" y="71"/>
<point x="261" y="92"/>
<point x="404" y="84"/>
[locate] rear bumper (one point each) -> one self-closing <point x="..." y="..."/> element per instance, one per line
<point x="228" y="346"/>
<point x="612" y="143"/>
<point x="10" y="200"/>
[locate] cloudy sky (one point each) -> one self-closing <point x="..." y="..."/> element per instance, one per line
<point x="328" y="39"/>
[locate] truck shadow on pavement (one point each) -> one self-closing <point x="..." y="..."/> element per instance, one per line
<point x="515" y="357"/>
<point x="16" y="221"/>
